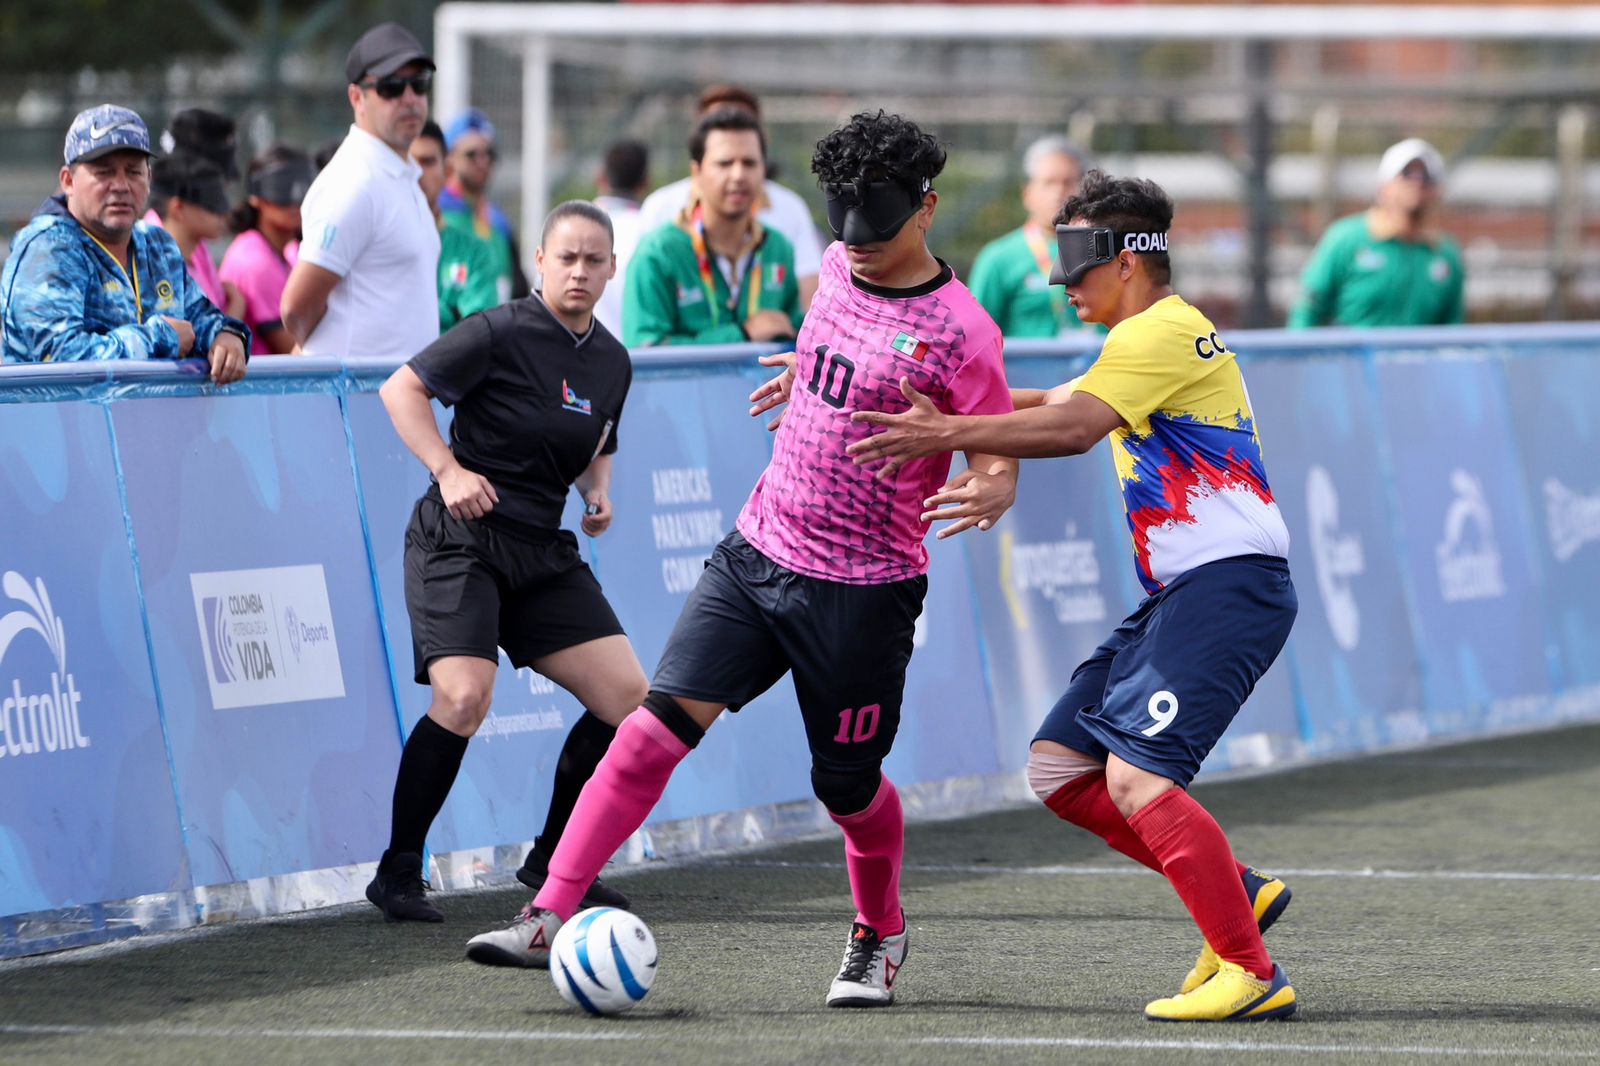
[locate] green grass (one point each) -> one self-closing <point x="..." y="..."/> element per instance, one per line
<point x="1030" y="943"/>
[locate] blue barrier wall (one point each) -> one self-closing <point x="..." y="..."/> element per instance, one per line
<point x="205" y="662"/>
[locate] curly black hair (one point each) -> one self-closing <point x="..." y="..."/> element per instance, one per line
<point x="1127" y="205"/>
<point x="880" y="147"/>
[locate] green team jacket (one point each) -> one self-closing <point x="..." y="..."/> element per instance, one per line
<point x="1354" y="279"/>
<point x="1007" y="282"/>
<point x="664" y="301"/>
<point x="468" y="282"/>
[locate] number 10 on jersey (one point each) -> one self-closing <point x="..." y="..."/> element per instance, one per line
<point x="832" y="384"/>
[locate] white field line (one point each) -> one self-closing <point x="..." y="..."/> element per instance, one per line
<point x="1131" y="870"/>
<point x="522" y="1036"/>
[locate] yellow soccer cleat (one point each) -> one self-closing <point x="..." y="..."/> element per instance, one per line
<point x="1232" y="995"/>
<point x="1269" y="896"/>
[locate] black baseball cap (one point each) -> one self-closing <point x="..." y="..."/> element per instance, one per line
<point x="383" y="50"/>
<point x="192" y="178"/>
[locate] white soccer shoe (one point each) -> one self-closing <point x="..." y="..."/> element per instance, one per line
<point x="871" y="963"/>
<point x="525" y="942"/>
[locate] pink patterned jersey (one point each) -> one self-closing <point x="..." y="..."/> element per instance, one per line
<point x="814" y="510"/>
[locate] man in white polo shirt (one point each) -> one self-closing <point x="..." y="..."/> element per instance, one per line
<point x="364" y="283"/>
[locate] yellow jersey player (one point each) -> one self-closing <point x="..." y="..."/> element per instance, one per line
<point x="1117" y="752"/>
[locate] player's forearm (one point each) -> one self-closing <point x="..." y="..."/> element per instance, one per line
<point x="407" y="401"/>
<point x="596" y="478"/>
<point x="1041" y="432"/>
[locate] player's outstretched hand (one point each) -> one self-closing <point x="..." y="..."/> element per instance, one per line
<point x="466" y="494"/>
<point x="911" y="433"/>
<point x="774" y="393"/>
<point x="596" y="514"/>
<point x="970" y="499"/>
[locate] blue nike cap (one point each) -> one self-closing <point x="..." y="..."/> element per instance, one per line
<point x="101" y="130"/>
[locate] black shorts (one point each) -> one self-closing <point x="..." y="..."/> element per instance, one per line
<point x="749" y="621"/>
<point x="471" y="587"/>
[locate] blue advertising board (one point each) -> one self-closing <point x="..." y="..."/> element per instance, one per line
<point x="86" y="804"/>
<point x="1557" y="438"/>
<point x="1352" y="644"/>
<point x="264" y="629"/>
<point x="1465" y="549"/>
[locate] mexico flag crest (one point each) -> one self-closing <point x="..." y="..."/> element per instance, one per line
<point x="906" y="344"/>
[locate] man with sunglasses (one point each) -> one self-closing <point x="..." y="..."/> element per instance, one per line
<point x="1388" y="265"/>
<point x="826" y="571"/>
<point x="1116" y="754"/>
<point x="465" y="205"/>
<point x="364" y="282"/>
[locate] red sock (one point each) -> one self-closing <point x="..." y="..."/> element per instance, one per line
<point x="1084" y="801"/>
<point x="625" y="786"/>
<point x="1195" y="856"/>
<point x="874" y="848"/>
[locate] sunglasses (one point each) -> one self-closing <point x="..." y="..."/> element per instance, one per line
<point x="394" y="85"/>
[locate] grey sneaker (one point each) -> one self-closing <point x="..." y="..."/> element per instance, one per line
<point x="525" y="942"/>
<point x="871" y="963"/>
<point x="536" y="867"/>
<point x="399" y="891"/>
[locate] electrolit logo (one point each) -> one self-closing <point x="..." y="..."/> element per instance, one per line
<point x="37" y="719"/>
<point x="1337" y="557"/>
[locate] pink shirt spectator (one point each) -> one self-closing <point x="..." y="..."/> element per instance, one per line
<point x="260" y="272"/>
<point x="814" y="510"/>
<point x="201" y="267"/>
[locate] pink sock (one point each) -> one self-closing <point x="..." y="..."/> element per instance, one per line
<point x="874" y="848"/>
<point x="617" y="799"/>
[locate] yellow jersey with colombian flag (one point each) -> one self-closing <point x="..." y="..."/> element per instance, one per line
<point x="1189" y="459"/>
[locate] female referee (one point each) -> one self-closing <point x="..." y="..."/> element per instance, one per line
<point x="538" y="387"/>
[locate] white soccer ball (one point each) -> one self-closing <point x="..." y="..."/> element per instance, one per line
<point x="604" y="960"/>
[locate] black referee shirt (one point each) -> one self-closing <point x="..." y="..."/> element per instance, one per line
<point x="534" y="404"/>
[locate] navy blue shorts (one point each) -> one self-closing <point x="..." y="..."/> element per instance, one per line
<point x="1162" y="688"/>
<point x="749" y="621"/>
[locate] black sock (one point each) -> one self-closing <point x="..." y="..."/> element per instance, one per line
<point x="428" y="768"/>
<point x="586" y="745"/>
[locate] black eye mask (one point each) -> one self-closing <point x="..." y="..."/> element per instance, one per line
<point x="868" y="212"/>
<point x="1079" y="249"/>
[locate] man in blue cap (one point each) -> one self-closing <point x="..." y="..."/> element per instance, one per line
<point x="88" y="280"/>
<point x="465" y="205"/>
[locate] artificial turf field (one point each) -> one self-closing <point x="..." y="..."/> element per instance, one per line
<point x="1446" y="907"/>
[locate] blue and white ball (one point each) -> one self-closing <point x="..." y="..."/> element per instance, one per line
<point x="603" y="961"/>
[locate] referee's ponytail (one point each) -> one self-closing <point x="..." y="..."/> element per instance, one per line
<point x="577" y="209"/>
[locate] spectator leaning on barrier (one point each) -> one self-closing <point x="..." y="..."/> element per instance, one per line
<point x="1011" y="276"/>
<point x="716" y="275"/>
<point x="87" y="280"/>
<point x="781" y="208"/>
<point x="364" y="282"/>
<point x="465" y="203"/>
<point x="1388" y="266"/>
<point x="623" y="179"/>
<point x="189" y="199"/>
<point x="466" y="272"/>
<point x="267" y="224"/>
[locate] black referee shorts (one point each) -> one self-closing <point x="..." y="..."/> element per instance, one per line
<point x="471" y="588"/>
<point x="749" y="621"/>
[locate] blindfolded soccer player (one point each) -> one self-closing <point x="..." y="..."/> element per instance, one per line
<point x="825" y="574"/>
<point x="1117" y="752"/>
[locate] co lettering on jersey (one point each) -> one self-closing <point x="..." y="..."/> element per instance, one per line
<point x="1144" y="242"/>
<point x="1210" y="345"/>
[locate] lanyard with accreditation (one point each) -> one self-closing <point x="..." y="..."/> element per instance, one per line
<point x="749" y="285"/>
<point x="1044" y="255"/>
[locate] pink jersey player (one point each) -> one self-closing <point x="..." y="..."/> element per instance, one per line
<point x="825" y="576"/>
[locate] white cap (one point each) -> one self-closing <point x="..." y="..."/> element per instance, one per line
<point x="1412" y="149"/>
